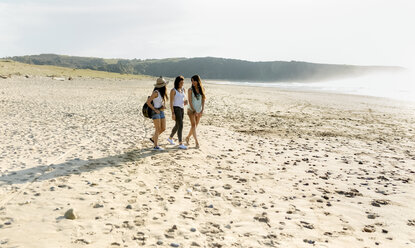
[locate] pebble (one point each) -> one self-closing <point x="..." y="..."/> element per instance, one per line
<point x="70" y="214"/>
<point x="309" y="241"/>
<point x="210" y="206"/>
<point x="98" y="205"/>
<point x="227" y="186"/>
<point x="174" y="245"/>
<point x="189" y="191"/>
<point x="159" y="242"/>
<point x="129" y="207"/>
<point x="193" y="229"/>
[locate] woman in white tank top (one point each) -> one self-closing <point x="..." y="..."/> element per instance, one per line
<point x="177" y="102"/>
<point x="156" y="103"/>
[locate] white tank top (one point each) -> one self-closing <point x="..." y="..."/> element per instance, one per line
<point x="158" y="101"/>
<point x="179" y="99"/>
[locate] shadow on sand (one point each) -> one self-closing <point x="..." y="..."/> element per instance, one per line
<point x="75" y="166"/>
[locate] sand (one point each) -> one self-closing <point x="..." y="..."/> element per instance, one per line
<point x="275" y="169"/>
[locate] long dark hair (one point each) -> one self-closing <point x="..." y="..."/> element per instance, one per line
<point x="199" y="86"/>
<point x="177" y="82"/>
<point x="162" y="92"/>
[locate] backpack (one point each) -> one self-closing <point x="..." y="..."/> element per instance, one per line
<point x="147" y="111"/>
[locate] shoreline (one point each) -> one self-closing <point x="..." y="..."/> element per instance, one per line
<point x="299" y="87"/>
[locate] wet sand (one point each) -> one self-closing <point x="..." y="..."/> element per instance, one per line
<point x="275" y="169"/>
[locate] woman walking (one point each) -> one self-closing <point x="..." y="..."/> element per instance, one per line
<point x="196" y="95"/>
<point x="157" y="103"/>
<point x="177" y="102"/>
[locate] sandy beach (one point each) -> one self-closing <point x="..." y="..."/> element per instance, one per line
<point x="275" y="168"/>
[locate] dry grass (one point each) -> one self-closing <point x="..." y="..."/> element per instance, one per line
<point x="8" y="67"/>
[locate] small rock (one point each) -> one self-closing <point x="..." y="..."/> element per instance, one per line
<point x="307" y="225"/>
<point x="97" y="205"/>
<point x="193" y="229"/>
<point x="371" y="216"/>
<point x="377" y="203"/>
<point x="309" y="241"/>
<point x="129" y="207"/>
<point x="174" y="245"/>
<point x="159" y="242"/>
<point x="227" y="186"/>
<point x="369" y="229"/>
<point x="70" y="214"/>
<point x="83" y="241"/>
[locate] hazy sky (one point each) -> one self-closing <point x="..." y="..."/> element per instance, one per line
<point x="329" y="31"/>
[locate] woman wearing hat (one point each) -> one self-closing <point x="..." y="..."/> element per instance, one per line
<point x="158" y="98"/>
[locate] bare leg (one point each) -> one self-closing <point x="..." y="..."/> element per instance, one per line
<point x="193" y="128"/>
<point x="193" y="124"/>
<point x="197" y="120"/>
<point x="162" y="125"/>
<point x="157" y="127"/>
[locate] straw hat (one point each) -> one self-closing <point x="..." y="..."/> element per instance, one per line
<point x="161" y="82"/>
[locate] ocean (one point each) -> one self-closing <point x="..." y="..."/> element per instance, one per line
<point x="398" y="86"/>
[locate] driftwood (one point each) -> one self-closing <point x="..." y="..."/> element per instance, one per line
<point x="59" y="78"/>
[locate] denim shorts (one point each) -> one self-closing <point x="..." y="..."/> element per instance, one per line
<point x="156" y="116"/>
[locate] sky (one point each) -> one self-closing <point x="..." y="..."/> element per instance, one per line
<point x="361" y="32"/>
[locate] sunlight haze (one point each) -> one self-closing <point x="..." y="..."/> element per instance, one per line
<point x="323" y="31"/>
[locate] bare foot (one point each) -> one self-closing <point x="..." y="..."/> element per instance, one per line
<point x="187" y="141"/>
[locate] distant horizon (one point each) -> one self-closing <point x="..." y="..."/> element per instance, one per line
<point x="184" y="57"/>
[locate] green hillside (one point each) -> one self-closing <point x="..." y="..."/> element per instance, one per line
<point x="209" y="68"/>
